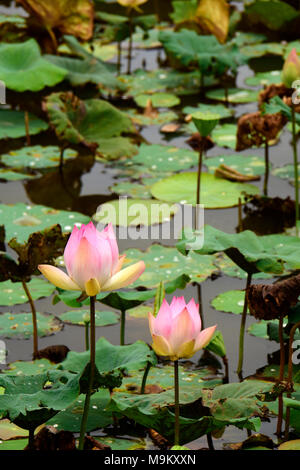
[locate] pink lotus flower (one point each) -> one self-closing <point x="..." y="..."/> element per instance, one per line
<point x="176" y="330"/>
<point x="93" y="263"/>
<point x="291" y="68"/>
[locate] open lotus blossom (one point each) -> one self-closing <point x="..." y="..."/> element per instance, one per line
<point x="291" y="68"/>
<point x="176" y="330"/>
<point x="93" y="263"/>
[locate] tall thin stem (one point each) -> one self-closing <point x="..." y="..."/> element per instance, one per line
<point x="210" y="441"/>
<point x="146" y="372"/>
<point x="198" y="195"/>
<point x="92" y="373"/>
<point x="176" y="387"/>
<point x="119" y="57"/>
<point x="130" y="25"/>
<point x="295" y="153"/>
<point x="122" y="327"/>
<point x="280" y="378"/>
<point x="242" y="329"/>
<point x="34" y="319"/>
<point x="199" y="291"/>
<point x="87" y="335"/>
<point x="266" y="180"/>
<point x="226" y="367"/>
<point x="31" y="439"/>
<point x="290" y="378"/>
<point x="27" y="130"/>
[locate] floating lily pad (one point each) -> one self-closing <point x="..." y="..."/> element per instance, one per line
<point x="230" y="302"/>
<point x="286" y="172"/>
<point x="118" y="443"/>
<point x="12" y="293"/>
<point x="14" y="444"/>
<point x="10" y="175"/>
<point x="259" y="329"/>
<point x="264" y="78"/>
<point x="210" y="108"/>
<point x="20" y="325"/>
<point x="290" y="445"/>
<point x="158" y="100"/>
<point x="29" y="367"/>
<point x="9" y="431"/>
<point x="102" y="318"/>
<point x="134" y="190"/>
<point x="36" y="157"/>
<point x="21" y="220"/>
<point x="114" y="148"/>
<point x="235" y="95"/>
<point x="12" y="124"/>
<point x="231" y="269"/>
<point x="225" y="135"/>
<point x="266" y="48"/>
<point x="246" y="164"/>
<point x="141" y="311"/>
<point x="166" y="264"/>
<point x="215" y="192"/>
<point x="135" y="212"/>
<point x="152" y="120"/>
<point x="23" y="68"/>
<point x="70" y="418"/>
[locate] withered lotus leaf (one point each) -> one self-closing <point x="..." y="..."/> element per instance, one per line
<point x="74" y="17"/>
<point x="213" y="18"/>
<point x="256" y="129"/>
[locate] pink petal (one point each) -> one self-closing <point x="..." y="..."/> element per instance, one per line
<point x="177" y="305"/>
<point x="125" y="277"/>
<point x="163" y="320"/>
<point x="58" y="277"/>
<point x="71" y="248"/>
<point x="161" y="346"/>
<point x="182" y="330"/>
<point x="204" y="338"/>
<point x="193" y="310"/>
<point x="110" y="236"/>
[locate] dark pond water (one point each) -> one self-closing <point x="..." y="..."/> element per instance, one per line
<point x="93" y="188"/>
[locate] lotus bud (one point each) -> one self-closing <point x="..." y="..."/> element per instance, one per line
<point x="291" y="69"/>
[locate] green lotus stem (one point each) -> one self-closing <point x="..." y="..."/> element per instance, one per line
<point x="176" y="388"/>
<point x="145" y="376"/>
<point x="295" y="153"/>
<point x="87" y="336"/>
<point x="226" y="367"/>
<point x="119" y="57"/>
<point x="199" y="291"/>
<point x="281" y="375"/>
<point x="240" y="216"/>
<point x="31" y="438"/>
<point x="61" y="156"/>
<point x="130" y="24"/>
<point x="92" y="374"/>
<point x="53" y="38"/>
<point x="266" y="180"/>
<point x="34" y="319"/>
<point x="122" y="328"/>
<point x="290" y="378"/>
<point x="242" y="330"/>
<point x="210" y="441"/>
<point x="26" y="120"/>
<point x="198" y="186"/>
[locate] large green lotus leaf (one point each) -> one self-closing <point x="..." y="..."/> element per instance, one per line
<point x="225" y="135"/>
<point x="159" y="159"/>
<point x="229" y="268"/>
<point x="114" y="148"/>
<point x="22" y="67"/>
<point x="216" y="193"/>
<point x="118" y="443"/>
<point x="158" y="80"/>
<point x="87" y="121"/>
<point x="29" y="367"/>
<point x="210" y="108"/>
<point x="189" y="48"/>
<point x="166" y="264"/>
<point x="163" y="377"/>
<point x="230" y="302"/>
<point x="134" y="190"/>
<point x="274" y="14"/>
<point x="89" y="70"/>
<point x="10" y="175"/>
<point x="76" y="18"/>
<point x="135" y="212"/>
<point x="286" y="172"/>
<point x="20" y="325"/>
<point x="260" y="328"/>
<point x="264" y="78"/>
<point x="158" y="100"/>
<point x="28" y="402"/>
<point x="253" y="253"/>
<point x="36" y="157"/>
<point x="246" y="164"/>
<point x="290" y="445"/>
<point x="112" y="359"/>
<point x="21" y="220"/>
<point x="12" y="124"/>
<point x="14" y="444"/>
<point x="266" y="48"/>
<point x="12" y="293"/>
<point x="77" y="317"/>
<point x="184" y="11"/>
<point x="153" y="120"/>
<point x="234" y="95"/>
<point x="70" y="418"/>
